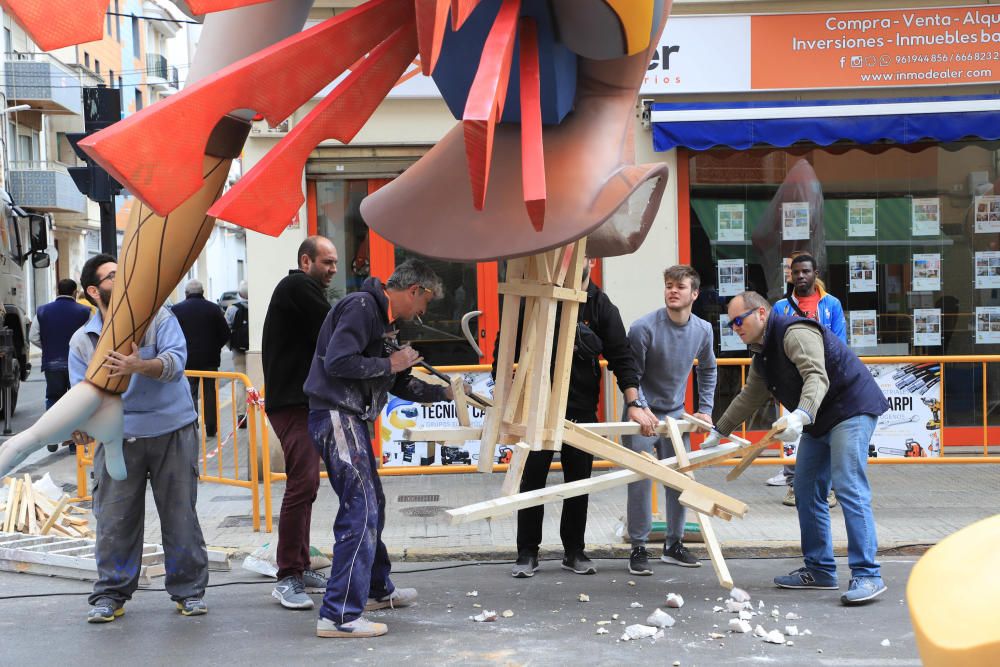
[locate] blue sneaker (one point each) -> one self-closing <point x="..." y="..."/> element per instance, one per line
<point x="806" y="578"/>
<point x="862" y="590"/>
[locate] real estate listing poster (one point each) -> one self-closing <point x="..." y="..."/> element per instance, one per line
<point x="988" y="269"/>
<point x="926" y="272"/>
<point x="988" y="325"/>
<point x="861" y="217"/>
<point x="926" y="326"/>
<point x="732" y="277"/>
<point x="729" y="341"/>
<point x="795" y="220"/>
<point x="987" y="210"/>
<point x="731" y="220"/>
<point x="927" y="216"/>
<point x="863" y="328"/>
<point x="861" y="271"/>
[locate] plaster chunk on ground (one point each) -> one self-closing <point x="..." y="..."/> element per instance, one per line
<point x="636" y="605"/>
<point x="639" y="631"/>
<point x="716" y="609"/>
<point x="807" y="631"/>
<point x="792" y="616"/>
<point x="739" y="595"/>
<point x="674" y="601"/>
<point x="601" y="631"/>
<point x="604" y="622"/>
<point x="760" y="605"/>
<point x="789" y="643"/>
<point x="660" y="619"/>
<point x="486" y="616"/>
<point x="775" y="637"/>
<point x="584" y="597"/>
<point x="739" y="625"/>
<point x="886" y="642"/>
<point x="472" y="594"/>
<point x="775" y="613"/>
<point x="791" y="630"/>
<point x="759" y="631"/>
<point x="716" y="635"/>
<point x="746" y="615"/>
<point x="732" y="606"/>
<point x="614" y="617"/>
<point x="507" y="613"/>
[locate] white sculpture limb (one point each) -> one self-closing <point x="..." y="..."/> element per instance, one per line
<point x="85" y="408"/>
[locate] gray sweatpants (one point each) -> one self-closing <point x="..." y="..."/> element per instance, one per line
<point x="170" y="462"/>
<point x="640" y="494"/>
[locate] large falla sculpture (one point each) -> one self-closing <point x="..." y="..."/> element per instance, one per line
<point x="542" y="155"/>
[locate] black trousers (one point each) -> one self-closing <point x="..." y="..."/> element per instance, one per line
<point x="211" y="425"/>
<point x="573" y="525"/>
<point x="56" y="384"/>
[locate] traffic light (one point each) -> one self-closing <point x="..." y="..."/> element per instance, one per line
<point x="101" y="108"/>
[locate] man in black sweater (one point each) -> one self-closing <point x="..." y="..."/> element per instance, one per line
<point x="205" y="331"/>
<point x="294" y="316"/>
<point x="600" y="331"/>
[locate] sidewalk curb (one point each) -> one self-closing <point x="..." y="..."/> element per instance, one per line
<point x="734" y="550"/>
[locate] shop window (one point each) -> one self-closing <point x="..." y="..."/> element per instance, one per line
<point x="883" y="223"/>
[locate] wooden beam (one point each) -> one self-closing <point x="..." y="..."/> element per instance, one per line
<point x="564" y="348"/>
<point x="501" y="506"/>
<point x="461" y="400"/>
<point x="695" y="421"/>
<point x="704" y="522"/>
<point x="515" y="469"/>
<point x="51" y="521"/>
<point x="29" y="503"/>
<point x="753" y="452"/>
<point x="598" y="446"/>
<point x="539" y="290"/>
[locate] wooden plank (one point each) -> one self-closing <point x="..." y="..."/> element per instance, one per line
<point x="695" y="421"/>
<point x="29" y="504"/>
<point x="515" y="469"/>
<point x="753" y="452"/>
<point x="751" y="449"/>
<point x="613" y="429"/>
<point x="461" y="400"/>
<point x="22" y="509"/>
<point x="538" y="390"/>
<point x="51" y="522"/>
<point x="513" y="409"/>
<point x="526" y="289"/>
<point x="557" y="492"/>
<point x="453" y="434"/>
<point x="704" y="523"/>
<point x="598" y="446"/>
<point x="564" y="347"/>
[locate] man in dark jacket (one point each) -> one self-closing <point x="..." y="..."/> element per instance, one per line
<point x="837" y="403"/>
<point x="205" y="331"/>
<point x="294" y="315"/>
<point x="356" y="365"/>
<point x="600" y="332"/>
<point x="55" y="323"/>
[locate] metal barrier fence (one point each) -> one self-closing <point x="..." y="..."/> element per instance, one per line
<point x="259" y="473"/>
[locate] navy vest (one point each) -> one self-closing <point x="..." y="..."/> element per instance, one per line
<point x="852" y="390"/>
<point x="56" y="322"/>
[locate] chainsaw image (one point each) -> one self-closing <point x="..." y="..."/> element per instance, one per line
<point x="504" y="454"/>
<point x="934" y="423"/>
<point x="453" y="455"/>
<point x="912" y="450"/>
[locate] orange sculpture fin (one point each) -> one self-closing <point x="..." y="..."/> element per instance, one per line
<point x="432" y="20"/>
<point x="484" y="107"/>
<point x="54" y="24"/>
<point x="200" y="7"/>
<point x="267" y="198"/>
<point x="157" y="153"/>
<point x="532" y="155"/>
<point x="460" y="10"/>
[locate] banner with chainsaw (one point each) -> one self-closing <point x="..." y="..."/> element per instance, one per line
<point x="912" y="425"/>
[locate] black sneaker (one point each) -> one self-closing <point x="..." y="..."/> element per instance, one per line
<point x="678" y="554"/>
<point x="524" y="567"/>
<point x="579" y="563"/>
<point x="638" y="562"/>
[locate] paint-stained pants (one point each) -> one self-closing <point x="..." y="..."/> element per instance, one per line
<point x="360" y="561"/>
<point x="170" y="462"/>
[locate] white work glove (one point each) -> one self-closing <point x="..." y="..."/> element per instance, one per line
<point x="714" y="439"/>
<point x="792" y="423"/>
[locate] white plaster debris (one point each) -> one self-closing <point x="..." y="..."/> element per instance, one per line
<point x="677" y="663"/>
<point x="584" y="597"/>
<point x="674" y="601"/>
<point x="739" y="625"/>
<point x="486" y="616"/>
<point x="885" y="642"/>
<point x="759" y="631"/>
<point x="716" y="609"/>
<point x="732" y="606"/>
<point x="507" y="613"/>
<point x="819" y="650"/>
<point x="614" y="617"/>
<point x="660" y="619"/>
<point x="718" y="599"/>
<point x="807" y="631"/>
<point x="631" y="583"/>
<point x="716" y="635"/>
<point x="636" y="605"/>
<point x="775" y="637"/>
<point x="604" y="622"/>
<point x="477" y="605"/>
<point x="792" y="630"/>
<point x="792" y="616"/>
<point x="472" y="594"/>
<point x="739" y="595"/>
<point x="583" y="620"/>
<point x="789" y="643"/>
<point x="639" y="631"/>
<point x="775" y="613"/>
<point x="760" y="605"/>
<point x="601" y="631"/>
<point x="746" y="615"/>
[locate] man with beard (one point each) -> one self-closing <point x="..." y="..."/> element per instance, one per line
<point x="294" y="315"/>
<point x="665" y="344"/>
<point x="160" y="443"/>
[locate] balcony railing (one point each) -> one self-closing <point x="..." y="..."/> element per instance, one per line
<point x="44" y="82"/>
<point x="156" y="66"/>
<point x="45" y="186"/>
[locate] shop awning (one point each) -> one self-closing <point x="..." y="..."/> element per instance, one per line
<point x="741" y="125"/>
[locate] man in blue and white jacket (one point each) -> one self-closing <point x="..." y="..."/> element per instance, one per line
<point x="161" y="442"/>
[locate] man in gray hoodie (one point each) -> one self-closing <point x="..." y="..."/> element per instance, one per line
<point x="665" y="344"/>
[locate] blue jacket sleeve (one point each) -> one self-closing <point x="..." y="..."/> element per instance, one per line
<point x="411" y="388"/>
<point x="344" y="354"/>
<point x="171" y="349"/>
<point x="838" y="323"/>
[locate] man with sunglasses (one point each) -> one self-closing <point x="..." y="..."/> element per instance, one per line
<point x="161" y="444"/>
<point x="356" y="365"/>
<point x="837" y="403"/>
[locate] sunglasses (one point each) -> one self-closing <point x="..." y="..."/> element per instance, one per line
<point x="740" y="319"/>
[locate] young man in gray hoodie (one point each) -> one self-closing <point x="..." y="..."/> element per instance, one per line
<point x="665" y="344"/>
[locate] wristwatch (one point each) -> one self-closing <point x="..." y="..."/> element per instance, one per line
<point x="638" y="403"/>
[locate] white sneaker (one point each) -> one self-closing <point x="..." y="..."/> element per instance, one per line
<point x="778" y="480"/>
<point x="401" y="597"/>
<point x="359" y="627"/>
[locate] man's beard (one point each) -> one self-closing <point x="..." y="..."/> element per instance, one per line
<point x="105" y="297"/>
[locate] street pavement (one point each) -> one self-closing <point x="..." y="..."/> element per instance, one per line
<point x="549" y="626"/>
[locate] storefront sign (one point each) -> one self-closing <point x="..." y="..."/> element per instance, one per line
<point x="912" y="425"/>
<point x="816" y="51"/>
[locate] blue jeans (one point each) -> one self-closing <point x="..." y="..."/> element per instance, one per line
<point x="360" y="561"/>
<point x="840" y="457"/>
